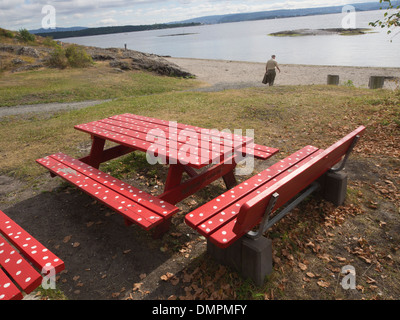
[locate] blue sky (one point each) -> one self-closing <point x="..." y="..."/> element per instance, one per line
<point x="16" y="14"/>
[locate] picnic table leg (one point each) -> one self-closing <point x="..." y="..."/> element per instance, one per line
<point x="96" y="152"/>
<point x="161" y="229"/>
<point x="230" y="180"/>
<point x="174" y="179"/>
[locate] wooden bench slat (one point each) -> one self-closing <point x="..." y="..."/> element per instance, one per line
<point x="18" y="268"/>
<point x="8" y="290"/>
<point x="128" y="208"/>
<point x="205" y="212"/>
<point x="230" y="213"/>
<point x="32" y="249"/>
<point x="259" y="152"/>
<point x="203" y="134"/>
<point x="142" y="198"/>
<point x="195" y="128"/>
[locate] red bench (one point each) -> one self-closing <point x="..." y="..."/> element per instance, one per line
<point x="235" y="213"/>
<point x="20" y="255"/>
<point x="135" y="206"/>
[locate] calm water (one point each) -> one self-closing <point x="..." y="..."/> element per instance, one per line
<point x="249" y="41"/>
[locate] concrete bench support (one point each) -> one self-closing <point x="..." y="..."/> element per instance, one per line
<point x="334" y="187"/>
<point x="251" y="258"/>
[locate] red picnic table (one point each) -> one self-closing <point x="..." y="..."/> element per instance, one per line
<point x="204" y="154"/>
<point x="24" y="262"/>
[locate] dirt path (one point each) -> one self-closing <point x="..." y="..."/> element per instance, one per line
<point x="47" y="107"/>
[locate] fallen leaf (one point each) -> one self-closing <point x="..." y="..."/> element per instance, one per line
<point x="323" y="284"/>
<point x="142" y="276"/>
<point x="341" y="259"/>
<point x="89" y="224"/>
<point x="67" y="239"/>
<point x="136" y="286"/>
<point x="75" y="278"/>
<point x="76" y="244"/>
<point x="167" y="276"/>
<point x="127" y="251"/>
<point x="302" y="266"/>
<point x="310" y="275"/>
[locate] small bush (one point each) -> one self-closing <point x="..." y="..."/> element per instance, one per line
<point x="25" y="36"/>
<point x="78" y="57"/>
<point x="49" y="42"/>
<point x="6" y="33"/>
<point x="58" y="59"/>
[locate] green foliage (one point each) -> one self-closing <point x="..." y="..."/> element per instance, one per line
<point x="6" y="33"/>
<point x="58" y="59"/>
<point x="349" y="83"/>
<point x="49" y="42"/>
<point x="78" y="57"/>
<point x="25" y="36"/>
<point x="73" y="56"/>
<point x="390" y="19"/>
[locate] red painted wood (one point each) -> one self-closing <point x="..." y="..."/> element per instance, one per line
<point x="8" y="290"/>
<point x="259" y="151"/>
<point x="140" y="197"/>
<point x="27" y="278"/>
<point x="32" y="249"/>
<point x="291" y="184"/>
<point x="218" y="227"/>
<point x="205" y="212"/>
<point x="133" y="204"/>
<point x="198" y="182"/>
<point x="161" y="150"/>
<point x="96" y="151"/>
<point x="110" y="154"/>
<point x="218" y="221"/>
<point x="296" y="181"/>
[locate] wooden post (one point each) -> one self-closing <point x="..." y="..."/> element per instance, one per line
<point x="376" y="82"/>
<point x="333" y="79"/>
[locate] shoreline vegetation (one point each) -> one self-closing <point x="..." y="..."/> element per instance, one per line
<point x="321" y="32"/>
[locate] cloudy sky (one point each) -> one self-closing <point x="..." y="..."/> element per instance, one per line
<point x="16" y="14"/>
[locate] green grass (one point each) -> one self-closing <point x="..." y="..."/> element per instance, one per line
<point x="291" y="118"/>
<point x="72" y="85"/>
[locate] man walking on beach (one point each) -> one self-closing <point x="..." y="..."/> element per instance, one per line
<point x="271" y="72"/>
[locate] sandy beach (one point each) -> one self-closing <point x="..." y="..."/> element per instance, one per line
<point x="224" y="74"/>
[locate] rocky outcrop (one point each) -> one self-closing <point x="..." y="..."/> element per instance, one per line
<point x="135" y="60"/>
<point x="119" y="59"/>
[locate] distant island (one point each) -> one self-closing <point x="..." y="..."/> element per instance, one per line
<point x="320" y="32"/>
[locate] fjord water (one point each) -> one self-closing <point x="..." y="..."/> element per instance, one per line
<point x="249" y="41"/>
